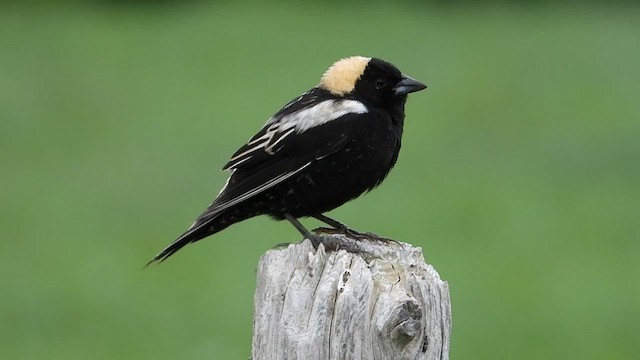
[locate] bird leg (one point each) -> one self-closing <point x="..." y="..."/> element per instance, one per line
<point x="338" y="227"/>
<point x="331" y="222"/>
<point x="344" y="229"/>
<point x="314" y="240"/>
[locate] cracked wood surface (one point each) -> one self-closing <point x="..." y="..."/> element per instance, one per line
<point x="378" y="300"/>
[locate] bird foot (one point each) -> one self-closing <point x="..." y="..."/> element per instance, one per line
<point x="280" y="246"/>
<point x="353" y="234"/>
<point x="350" y="241"/>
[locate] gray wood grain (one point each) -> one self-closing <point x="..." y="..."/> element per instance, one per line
<point x="379" y="300"/>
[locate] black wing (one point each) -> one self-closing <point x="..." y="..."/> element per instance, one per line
<point x="265" y="168"/>
<point x="290" y="142"/>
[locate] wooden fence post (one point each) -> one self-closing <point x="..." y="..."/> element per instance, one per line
<point x="378" y="300"/>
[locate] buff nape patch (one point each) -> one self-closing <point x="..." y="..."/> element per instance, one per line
<point x="341" y="77"/>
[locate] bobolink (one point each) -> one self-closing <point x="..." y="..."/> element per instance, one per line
<point x="322" y="149"/>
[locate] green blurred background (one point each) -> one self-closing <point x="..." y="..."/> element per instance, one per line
<point x="519" y="174"/>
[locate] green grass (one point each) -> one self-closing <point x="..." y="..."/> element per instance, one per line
<point x="519" y="173"/>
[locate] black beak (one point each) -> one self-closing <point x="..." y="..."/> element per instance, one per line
<point x="408" y="85"/>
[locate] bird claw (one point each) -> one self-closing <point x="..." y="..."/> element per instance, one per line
<point x="280" y="246"/>
<point x="353" y="234"/>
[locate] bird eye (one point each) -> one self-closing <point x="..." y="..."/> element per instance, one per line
<point x="380" y="83"/>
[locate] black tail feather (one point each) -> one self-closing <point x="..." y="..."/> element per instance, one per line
<point x="207" y="224"/>
<point x="202" y="228"/>
<point x="188" y="237"/>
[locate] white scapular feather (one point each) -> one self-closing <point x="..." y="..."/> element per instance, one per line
<point x="279" y="128"/>
<point x="320" y="114"/>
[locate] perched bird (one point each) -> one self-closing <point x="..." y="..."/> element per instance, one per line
<point x="322" y="149"/>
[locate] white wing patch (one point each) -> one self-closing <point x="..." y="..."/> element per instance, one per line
<point x="320" y="114"/>
<point x="278" y="128"/>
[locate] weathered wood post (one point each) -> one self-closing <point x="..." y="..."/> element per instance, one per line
<point x="368" y="300"/>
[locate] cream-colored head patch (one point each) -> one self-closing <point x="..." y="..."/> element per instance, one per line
<point x="341" y="77"/>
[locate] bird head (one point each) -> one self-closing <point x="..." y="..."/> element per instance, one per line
<point x="372" y="80"/>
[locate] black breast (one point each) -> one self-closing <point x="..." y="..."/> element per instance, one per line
<point x="369" y="151"/>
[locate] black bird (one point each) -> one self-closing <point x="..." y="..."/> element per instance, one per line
<point x="322" y="149"/>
